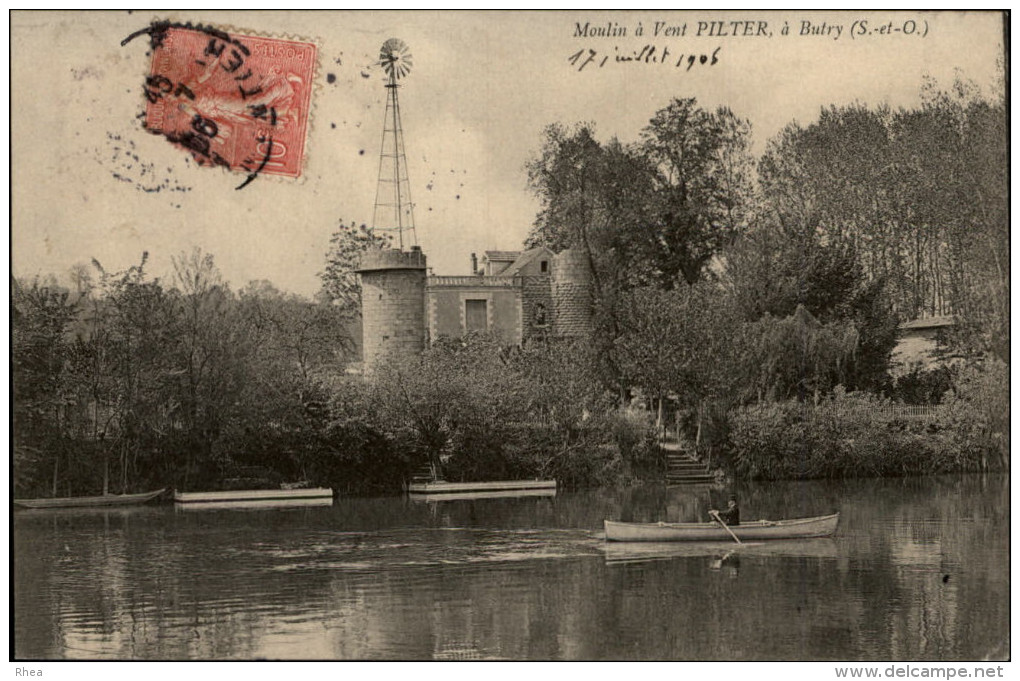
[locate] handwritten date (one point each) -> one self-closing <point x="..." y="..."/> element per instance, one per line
<point x="649" y="54"/>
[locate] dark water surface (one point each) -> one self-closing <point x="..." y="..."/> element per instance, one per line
<point x="918" y="570"/>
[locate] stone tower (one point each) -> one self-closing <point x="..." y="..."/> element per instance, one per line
<point x="571" y="294"/>
<point x="392" y="305"/>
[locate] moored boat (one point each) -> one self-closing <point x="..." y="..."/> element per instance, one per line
<point x="441" y="487"/>
<point x="476" y="495"/>
<point x="91" y="502"/>
<point x="319" y="493"/>
<point x="800" y="528"/>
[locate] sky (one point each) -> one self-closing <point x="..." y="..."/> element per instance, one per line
<point x="483" y="86"/>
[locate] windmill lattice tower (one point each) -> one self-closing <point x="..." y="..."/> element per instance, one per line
<point x="394" y="210"/>
<point x="392" y="279"/>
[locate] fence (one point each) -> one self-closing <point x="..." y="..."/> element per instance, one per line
<point x="473" y="281"/>
<point x="918" y="412"/>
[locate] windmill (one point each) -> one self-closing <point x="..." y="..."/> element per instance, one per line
<point x="394" y="211"/>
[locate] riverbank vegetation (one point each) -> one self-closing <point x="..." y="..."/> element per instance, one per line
<point x="751" y="302"/>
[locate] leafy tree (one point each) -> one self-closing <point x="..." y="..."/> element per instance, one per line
<point x="773" y="269"/>
<point x="339" y="282"/>
<point x="920" y="194"/>
<point x="296" y="347"/>
<point x="593" y="200"/>
<point x="300" y="337"/>
<point x="652" y="213"/>
<point x="658" y="210"/>
<point x="686" y="342"/>
<point x="702" y="188"/>
<point x="798" y="356"/>
<point x="451" y="387"/>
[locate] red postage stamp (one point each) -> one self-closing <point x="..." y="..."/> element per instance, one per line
<point x="236" y="101"/>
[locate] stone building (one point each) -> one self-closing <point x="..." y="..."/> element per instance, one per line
<point x="918" y="344"/>
<point x="392" y="304"/>
<point x="517" y="295"/>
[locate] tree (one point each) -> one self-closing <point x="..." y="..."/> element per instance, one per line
<point x="40" y="318"/>
<point x="774" y="269"/>
<point x="299" y="336"/>
<point x="663" y="207"/>
<point x="652" y="213"/>
<point x="972" y="270"/>
<point x="702" y="188"/>
<point x="295" y="348"/>
<point x="798" y="356"/>
<point x="124" y="383"/>
<point x="339" y="282"/>
<point x="121" y="355"/>
<point x="210" y="344"/>
<point x="593" y="198"/>
<point x="685" y="342"/>
<point x="449" y="389"/>
<point x="920" y="194"/>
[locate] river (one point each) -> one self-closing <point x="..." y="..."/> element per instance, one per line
<point x="918" y="570"/>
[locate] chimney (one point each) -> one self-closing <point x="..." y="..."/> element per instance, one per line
<point x="474" y="263"/>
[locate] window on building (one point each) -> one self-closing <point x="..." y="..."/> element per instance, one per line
<point x="545" y="266"/>
<point x="476" y="317"/>
<point x="540" y="314"/>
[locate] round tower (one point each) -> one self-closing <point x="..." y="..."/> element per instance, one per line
<point x="392" y="304"/>
<point x="571" y="294"/>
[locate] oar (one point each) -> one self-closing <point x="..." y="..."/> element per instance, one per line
<point x="726" y="527"/>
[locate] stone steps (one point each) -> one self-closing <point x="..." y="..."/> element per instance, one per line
<point x="682" y="468"/>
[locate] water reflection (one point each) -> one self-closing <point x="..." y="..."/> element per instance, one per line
<point x="918" y="570"/>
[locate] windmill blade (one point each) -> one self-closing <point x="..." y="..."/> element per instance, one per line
<point x="395" y="58"/>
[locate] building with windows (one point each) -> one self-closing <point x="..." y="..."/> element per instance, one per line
<point x="510" y="295"/>
<point x="518" y="296"/>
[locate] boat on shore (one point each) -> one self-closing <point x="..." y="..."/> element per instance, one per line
<point x="800" y="528"/>
<point x="504" y="487"/>
<point x="311" y="496"/>
<point x="100" y="501"/>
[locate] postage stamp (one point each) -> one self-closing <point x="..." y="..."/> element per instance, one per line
<point x="237" y="101"/>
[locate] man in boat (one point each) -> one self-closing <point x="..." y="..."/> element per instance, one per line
<point x="731" y="514"/>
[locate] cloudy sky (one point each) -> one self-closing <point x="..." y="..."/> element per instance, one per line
<point x="483" y="87"/>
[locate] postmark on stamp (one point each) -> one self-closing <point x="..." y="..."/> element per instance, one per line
<point x="237" y="101"/>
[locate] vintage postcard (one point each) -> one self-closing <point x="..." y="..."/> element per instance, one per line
<point x="525" y="336"/>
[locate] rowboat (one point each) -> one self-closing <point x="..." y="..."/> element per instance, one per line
<point x="322" y="495"/>
<point x="800" y="528"/>
<point x="91" y="502"/>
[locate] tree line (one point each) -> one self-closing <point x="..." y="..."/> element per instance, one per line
<point x="721" y="280"/>
<point x="734" y="289"/>
<point x="122" y="381"/>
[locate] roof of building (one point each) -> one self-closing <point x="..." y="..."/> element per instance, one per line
<point x="526" y="257"/>
<point x="929" y="322"/>
<point x="502" y="256"/>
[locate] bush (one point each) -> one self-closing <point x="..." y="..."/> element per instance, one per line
<point x="977" y="409"/>
<point x="479" y="412"/>
<point x="858" y="435"/>
<point x="921" y="385"/>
